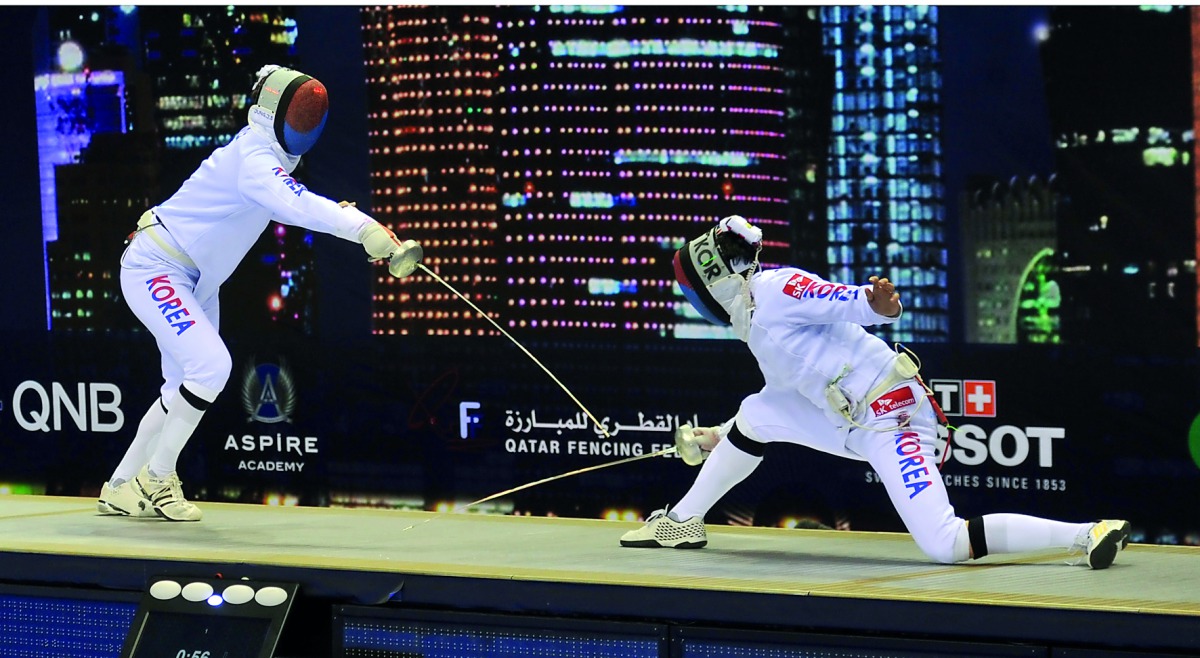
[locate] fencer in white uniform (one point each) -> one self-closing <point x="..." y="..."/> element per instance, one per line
<point x="187" y="246"/>
<point x="832" y="386"/>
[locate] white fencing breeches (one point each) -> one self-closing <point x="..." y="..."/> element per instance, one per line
<point x="158" y="289"/>
<point x="903" y="458"/>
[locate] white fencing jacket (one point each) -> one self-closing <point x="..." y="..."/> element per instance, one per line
<point x="220" y="211"/>
<point x="806" y="332"/>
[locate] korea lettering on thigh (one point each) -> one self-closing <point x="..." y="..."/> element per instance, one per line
<point x="158" y="290"/>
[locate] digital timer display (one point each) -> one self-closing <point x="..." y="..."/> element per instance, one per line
<point x="179" y="635"/>
<point x="190" y="617"/>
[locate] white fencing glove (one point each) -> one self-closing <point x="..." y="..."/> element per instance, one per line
<point x="694" y="443"/>
<point x="381" y="243"/>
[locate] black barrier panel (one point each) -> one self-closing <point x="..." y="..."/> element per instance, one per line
<point x="37" y="622"/>
<point x="392" y="633"/>
<point x="688" y="642"/>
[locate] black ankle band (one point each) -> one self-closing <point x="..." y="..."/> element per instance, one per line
<point x="977" y="537"/>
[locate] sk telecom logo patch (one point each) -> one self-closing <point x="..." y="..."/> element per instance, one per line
<point x="890" y="402"/>
<point x="965" y="397"/>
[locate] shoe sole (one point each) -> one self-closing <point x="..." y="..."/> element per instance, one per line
<point x="654" y="543"/>
<point x="108" y="509"/>
<point x="157" y="509"/>
<point x="1124" y="530"/>
<point x="1102" y="556"/>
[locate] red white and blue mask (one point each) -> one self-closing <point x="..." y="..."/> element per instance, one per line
<point x="293" y="105"/>
<point x="706" y="266"/>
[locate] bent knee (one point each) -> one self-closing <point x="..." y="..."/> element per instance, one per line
<point x="948" y="545"/>
<point x="940" y="551"/>
<point x="211" y="372"/>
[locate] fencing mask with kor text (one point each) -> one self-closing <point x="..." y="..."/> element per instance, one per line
<point x="709" y="270"/>
<point x="291" y="105"/>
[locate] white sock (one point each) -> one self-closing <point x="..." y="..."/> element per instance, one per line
<point x="726" y="466"/>
<point x="185" y="414"/>
<point x="138" y="452"/>
<point x="1016" y="533"/>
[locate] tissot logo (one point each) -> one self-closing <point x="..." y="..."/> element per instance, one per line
<point x="965" y="397"/>
<point x="268" y="392"/>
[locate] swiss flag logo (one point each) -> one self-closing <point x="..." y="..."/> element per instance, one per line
<point x="979" y="398"/>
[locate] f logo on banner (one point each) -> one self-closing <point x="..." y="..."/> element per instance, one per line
<point x="467" y="421"/>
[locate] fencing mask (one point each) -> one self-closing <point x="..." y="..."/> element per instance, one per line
<point x="292" y="105"/>
<point x="709" y="270"/>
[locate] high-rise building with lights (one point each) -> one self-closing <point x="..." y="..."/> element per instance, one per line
<point x="1118" y="83"/>
<point x="97" y="164"/>
<point x="1195" y="20"/>
<point x="610" y="136"/>
<point x="108" y="184"/>
<point x="202" y="60"/>
<point x="431" y="83"/>
<point x="1009" y="239"/>
<point x="183" y="74"/>
<point x="886" y="201"/>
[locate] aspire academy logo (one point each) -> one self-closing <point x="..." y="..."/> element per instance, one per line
<point x="268" y="392"/>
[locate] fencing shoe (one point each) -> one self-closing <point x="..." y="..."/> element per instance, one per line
<point x="663" y="531"/>
<point x="122" y="500"/>
<point x="165" y="495"/>
<point x="1103" y="541"/>
<point x="694" y="443"/>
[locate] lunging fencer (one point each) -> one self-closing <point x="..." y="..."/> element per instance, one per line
<point x="832" y="386"/>
<point x="187" y="246"/>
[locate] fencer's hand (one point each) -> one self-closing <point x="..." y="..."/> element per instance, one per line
<point x="379" y="241"/>
<point x="345" y="204"/>
<point x="883" y="298"/>
<point x="738" y="225"/>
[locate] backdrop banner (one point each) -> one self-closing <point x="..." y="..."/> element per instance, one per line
<point x="419" y="423"/>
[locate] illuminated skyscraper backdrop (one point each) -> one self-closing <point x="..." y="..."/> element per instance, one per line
<point x="554" y="158"/>
<point x="886" y="200"/>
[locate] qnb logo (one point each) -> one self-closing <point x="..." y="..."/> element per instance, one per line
<point x="268" y="392"/>
<point x="94" y="407"/>
<point x="468" y="422"/>
<point x="292" y="184"/>
<point x="965" y="397"/>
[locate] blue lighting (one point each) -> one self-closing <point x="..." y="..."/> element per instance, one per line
<point x="215" y="600"/>
<point x="660" y="47"/>
<point x="591" y="200"/>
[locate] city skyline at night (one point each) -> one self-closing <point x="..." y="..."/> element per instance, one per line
<point x="551" y="159"/>
<point x="1118" y="87"/>
<point x="886" y="198"/>
<point x="616" y="134"/>
<point x="161" y="87"/>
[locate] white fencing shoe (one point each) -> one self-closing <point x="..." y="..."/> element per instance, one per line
<point x="1104" y="540"/>
<point x="663" y="531"/>
<point x="166" y="496"/>
<point x="122" y="500"/>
